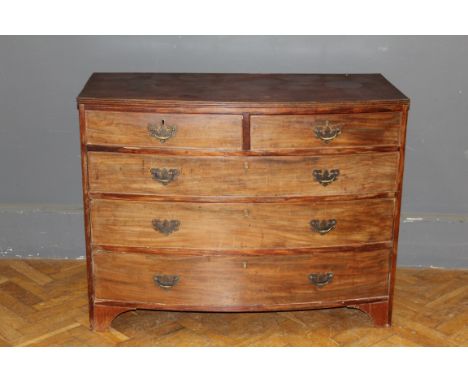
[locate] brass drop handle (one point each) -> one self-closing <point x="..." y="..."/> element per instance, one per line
<point x="166" y="227"/>
<point x="166" y="281"/>
<point x="325" y="177"/>
<point x="322" y="226"/>
<point x="321" y="279"/>
<point x="327" y="133"/>
<point x="164" y="175"/>
<point x="162" y="132"/>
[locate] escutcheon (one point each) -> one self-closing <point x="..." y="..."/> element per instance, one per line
<point x="166" y="227"/>
<point x="166" y="281"/>
<point x="164" y="175"/>
<point x="321" y="279"/>
<point x="325" y="177"/>
<point x="322" y="226"/>
<point x="327" y="133"/>
<point x="162" y="132"/>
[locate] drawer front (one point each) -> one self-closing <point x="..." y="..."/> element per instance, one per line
<point x="325" y="131"/>
<point x="240" y="225"/>
<point x="164" y="130"/>
<point x="240" y="281"/>
<point x="249" y="176"/>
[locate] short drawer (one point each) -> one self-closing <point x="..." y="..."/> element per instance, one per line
<point x="240" y="282"/>
<point x="149" y="130"/>
<point x="240" y="225"/>
<point x="243" y="176"/>
<point x="325" y="131"/>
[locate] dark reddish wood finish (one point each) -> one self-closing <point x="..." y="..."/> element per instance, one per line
<point x="246" y="131"/>
<point x="238" y="225"/>
<point x="349" y="303"/>
<point x="280" y="132"/>
<point x="106" y="311"/>
<point x="378" y="311"/>
<point x="214" y="153"/>
<point x="238" y="90"/>
<point x="397" y="216"/>
<point x="87" y="224"/>
<point x="357" y="248"/>
<point x="105" y="314"/>
<point x="244" y="95"/>
<point x="285" y="176"/>
<point x="259" y="109"/>
<point x="240" y="282"/>
<point x="239" y="199"/>
<point x="215" y="132"/>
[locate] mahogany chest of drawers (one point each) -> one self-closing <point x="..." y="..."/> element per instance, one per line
<point x="241" y="192"/>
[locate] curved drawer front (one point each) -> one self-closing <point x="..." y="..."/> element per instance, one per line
<point x="325" y="131"/>
<point x="240" y="225"/>
<point x="248" y="176"/>
<point x="164" y="130"/>
<point x="240" y="282"/>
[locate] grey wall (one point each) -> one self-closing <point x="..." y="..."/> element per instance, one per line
<point x="40" y="189"/>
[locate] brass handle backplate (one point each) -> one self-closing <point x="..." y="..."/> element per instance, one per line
<point x="325" y="177"/>
<point x="162" y="132"/>
<point x="322" y="226"/>
<point x="166" y="281"/>
<point x="327" y="133"/>
<point x="321" y="279"/>
<point x="164" y="175"/>
<point x="166" y="227"/>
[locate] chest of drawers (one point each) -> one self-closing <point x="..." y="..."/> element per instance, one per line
<point x="241" y="192"/>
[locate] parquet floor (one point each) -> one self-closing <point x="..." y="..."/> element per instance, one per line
<point x="44" y="303"/>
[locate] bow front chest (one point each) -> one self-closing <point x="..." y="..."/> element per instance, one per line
<point x="241" y="192"/>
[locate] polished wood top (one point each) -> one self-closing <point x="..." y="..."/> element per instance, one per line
<point x="262" y="89"/>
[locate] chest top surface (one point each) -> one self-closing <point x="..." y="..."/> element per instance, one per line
<point x="203" y="88"/>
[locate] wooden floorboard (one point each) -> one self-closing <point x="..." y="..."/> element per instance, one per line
<point x="44" y="303"/>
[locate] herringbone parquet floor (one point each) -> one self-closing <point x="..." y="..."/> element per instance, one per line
<point x="44" y="303"/>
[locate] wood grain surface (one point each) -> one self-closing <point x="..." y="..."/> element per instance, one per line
<point x="397" y="217"/>
<point x="237" y="89"/>
<point x="192" y="131"/>
<point x="244" y="282"/>
<point x="248" y="176"/>
<point x="241" y="195"/>
<point x="240" y="225"/>
<point x="298" y="131"/>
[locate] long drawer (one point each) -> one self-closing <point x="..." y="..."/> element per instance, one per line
<point x="334" y="130"/>
<point x="243" y="176"/>
<point x="247" y="282"/>
<point x="240" y="225"/>
<point x="150" y="130"/>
